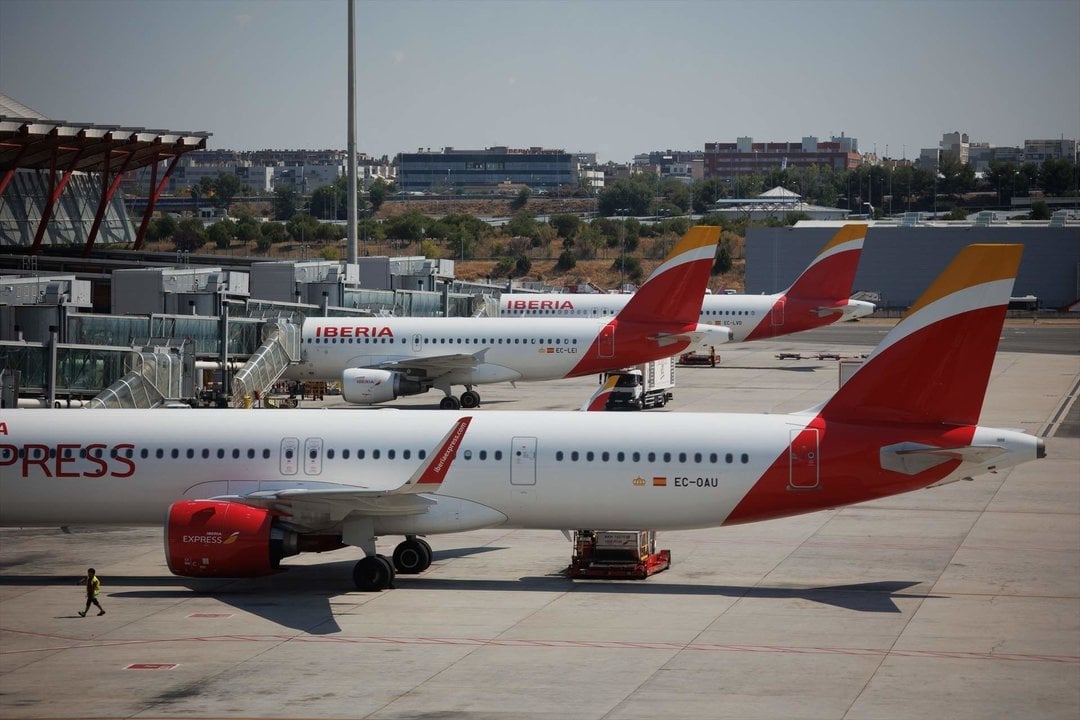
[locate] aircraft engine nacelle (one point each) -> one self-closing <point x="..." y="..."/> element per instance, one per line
<point x="707" y="335"/>
<point x="365" y="386"/>
<point x="211" y="538"/>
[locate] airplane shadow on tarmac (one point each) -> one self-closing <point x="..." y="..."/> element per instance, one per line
<point x="302" y="597"/>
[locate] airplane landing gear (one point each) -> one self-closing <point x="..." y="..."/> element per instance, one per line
<point x="373" y="573"/>
<point x="470" y="399"/>
<point x="412" y="556"/>
<point x="450" y="403"/>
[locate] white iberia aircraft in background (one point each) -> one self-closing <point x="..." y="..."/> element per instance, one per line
<point x="242" y="489"/>
<point x="819" y="296"/>
<point x="379" y="359"/>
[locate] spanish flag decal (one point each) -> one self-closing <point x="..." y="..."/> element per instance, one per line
<point x="659" y="482"/>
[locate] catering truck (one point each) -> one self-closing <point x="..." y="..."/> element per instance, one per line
<point x="642" y="386"/>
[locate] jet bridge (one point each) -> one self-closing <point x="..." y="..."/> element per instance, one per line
<point x="157" y="374"/>
<point x="280" y="348"/>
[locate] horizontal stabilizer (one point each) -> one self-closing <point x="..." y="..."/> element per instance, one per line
<point x="913" y="458"/>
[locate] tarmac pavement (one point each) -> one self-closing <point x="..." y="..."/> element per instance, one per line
<point x="955" y="602"/>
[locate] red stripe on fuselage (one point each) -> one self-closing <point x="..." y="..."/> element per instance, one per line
<point x="632" y="346"/>
<point x="849" y="469"/>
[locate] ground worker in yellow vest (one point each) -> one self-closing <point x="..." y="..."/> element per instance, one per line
<point x="93" y="587"/>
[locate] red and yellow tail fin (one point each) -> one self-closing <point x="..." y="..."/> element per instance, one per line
<point x="934" y="366"/>
<point x="832" y="273"/>
<point x="676" y="289"/>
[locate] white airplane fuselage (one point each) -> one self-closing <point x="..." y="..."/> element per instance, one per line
<point x="504" y="349"/>
<point x="514" y="469"/>
<point x="745" y="315"/>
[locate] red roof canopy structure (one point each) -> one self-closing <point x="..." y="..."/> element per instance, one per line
<point x="29" y="140"/>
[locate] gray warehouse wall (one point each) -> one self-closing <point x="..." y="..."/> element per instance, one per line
<point x="900" y="262"/>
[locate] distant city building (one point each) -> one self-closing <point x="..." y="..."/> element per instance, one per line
<point x="262" y="171"/>
<point x="727" y="161"/>
<point x="449" y="168"/>
<point x="1039" y="150"/>
<point x="956" y="145"/>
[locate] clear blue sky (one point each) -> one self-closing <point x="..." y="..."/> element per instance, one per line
<point x="613" y="77"/>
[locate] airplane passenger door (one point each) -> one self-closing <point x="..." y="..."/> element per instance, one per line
<point x="313" y="451"/>
<point x="523" y="461"/>
<point x="417" y="342"/>
<point x="290" y="448"/>
<point x="606" y="341"/>
<point x="777" y="314"/>
<point x="803" y="461"/>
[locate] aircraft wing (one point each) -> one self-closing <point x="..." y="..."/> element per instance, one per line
<point x="435" y="365"/>
<point x="315" y="506"/>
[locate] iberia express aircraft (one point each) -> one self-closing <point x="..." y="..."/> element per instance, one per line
<point x="379" y="359"/>
<point x="242" y="489"/>
<point x="819" y="296"/>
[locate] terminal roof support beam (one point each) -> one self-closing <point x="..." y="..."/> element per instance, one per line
<point x="107" y="191"/>
<point x="55" y="190"/>
<point x="155" y="193"/>
<point x="11" y="170"/>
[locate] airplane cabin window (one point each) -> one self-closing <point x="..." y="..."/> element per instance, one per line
<point x="498" y="454"/>
<point x="175" y="453"/>
<point x="483" y="454"/>
<point x="589" y="456"/>
<point x="667" y="457"/>
<point x="744" y="458"/>
<point x="406" y="454"/>
<point x="468" y="454"/>
<point x="390" y="454"/>
<point x="359" y="454"/>
<point x="266" y="453"/>
<point x="329" y="454"/>
<point x="620" y="456"/>
<point x="574" y="456"/>
<point x="205" y="453"/>
<point x="190" y="453"/>
<point x="421" y="454"/>
<point x="682" y="457"/>
<point x="604" y="456"/>
<point x="728" y="458"/>
<point x="652" y="457"/>
<point x="221" y="453"/>
<point x="713" y="457"/>
<point x="697" y="457"/>
<point x="159" y="453"/>
<point x="236" y="453"/>
<point x="374" y="454"/>
<point x="559" y="456"/>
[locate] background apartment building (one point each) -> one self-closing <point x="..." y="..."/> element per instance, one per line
<point x="728" y="161"/>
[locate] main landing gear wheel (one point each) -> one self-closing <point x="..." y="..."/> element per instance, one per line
<point x="412" y="556"/>
<point x="373" y="573"/>
<point x="470" y="399"/>
<point x="449" y="403"/>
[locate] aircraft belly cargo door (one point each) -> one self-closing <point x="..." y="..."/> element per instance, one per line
<point x="803" y="459"/>
<point x="523" y="470"/>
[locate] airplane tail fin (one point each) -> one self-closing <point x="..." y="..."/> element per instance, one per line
<point x="676" y="289"/>
<point x="832" y="273"/>
<point x="934" y="366"/>
<point x="599" y="400"/>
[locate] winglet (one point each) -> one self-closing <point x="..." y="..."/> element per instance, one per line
<point x="934" y="366"/>
<point x="675" y="290"/>
<point x="832" y="273"/>
<point x="429" y="476"/>
<point x="598" y="402"/>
